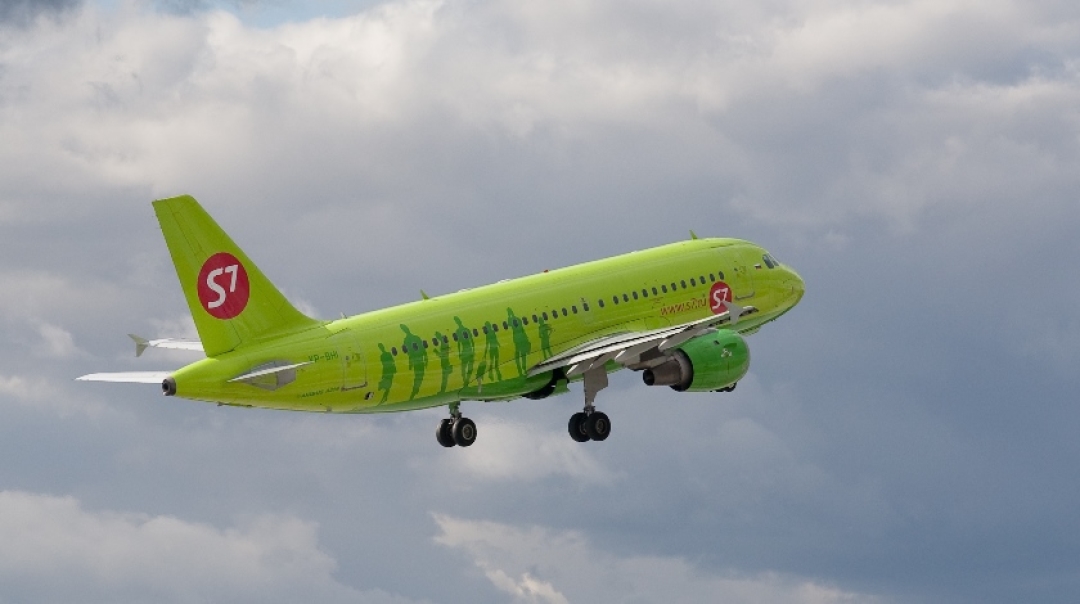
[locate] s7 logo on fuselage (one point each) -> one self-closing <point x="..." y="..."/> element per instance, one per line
<point x="223" y="286"/>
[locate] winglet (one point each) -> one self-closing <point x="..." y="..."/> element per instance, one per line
<point x="424" y="295"/>
<point x="693" y="235"/>
<point x="140" y="344"/>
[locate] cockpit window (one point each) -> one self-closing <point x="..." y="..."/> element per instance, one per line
<point x="770" y="261"/>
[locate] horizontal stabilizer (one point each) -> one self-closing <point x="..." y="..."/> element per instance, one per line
<point x="131" y="377"/>
<point x="141" y="344"/>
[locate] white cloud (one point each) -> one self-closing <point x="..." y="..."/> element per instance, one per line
<point x="55" y="549"/>
<point x="509" y="451"/>
<point x="540" y="565"/>
<point x="133" y="99"/>
<point x="44" y="395"/>
<point x="56" y="342"/>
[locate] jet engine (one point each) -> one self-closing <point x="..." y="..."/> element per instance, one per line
<point x="706" y="363"/>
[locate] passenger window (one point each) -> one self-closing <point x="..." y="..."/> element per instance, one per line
<point x="495" y="327"/>
<point x="720" y="274"/>
<point x="701" y="280"/>
<point x="573" y="308"/>
<point x="600" y="302"/>
<point x="525" y="320"/>
<point x="393" y="349"/>
<point x="535" y="319"/>
<point x="635" y="295"/>
<point x="644" y="293"/>
<point x="415" y="347"/>
<point x="455" y="336"/>
<point x="585" y="305"/>
<point x="663" y="288"/>
<point x="425" y="345"/>
<point x="712" y="278"/>
<point x="545" y="315"/>
<point x="564" y="311"/>
<point x="674" y="287"/>
<point x="683" y="284"/>
<point x="435" y="341"/>
<point x="506" y="325"/>
<point x="476" y="334"/>
<point x="615" y="299"/>
<point x="654" y="291"/>
<point x="692" y="282"/>
<point x="626" y="298"/>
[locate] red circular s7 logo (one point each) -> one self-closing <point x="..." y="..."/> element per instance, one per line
<point x="718" y="294"/>
<point x="223" y="286"/>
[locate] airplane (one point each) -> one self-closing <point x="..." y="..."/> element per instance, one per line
<point x="677" y="313"/>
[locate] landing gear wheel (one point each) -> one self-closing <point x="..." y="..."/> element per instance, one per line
<point x="464" y="432"/>
<point x="576" y="427"/>
<point x="444" y="433"/>
<point x="598" y="426"/>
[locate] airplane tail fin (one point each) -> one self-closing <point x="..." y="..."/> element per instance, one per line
<point x="230" y="299"/>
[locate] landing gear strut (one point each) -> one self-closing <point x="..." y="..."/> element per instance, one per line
<point x="456" y="430"/>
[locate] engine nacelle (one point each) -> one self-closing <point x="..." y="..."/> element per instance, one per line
<point x="703" y="364"/>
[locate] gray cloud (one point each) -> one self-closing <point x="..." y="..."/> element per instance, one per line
<point x="22" y="12"/>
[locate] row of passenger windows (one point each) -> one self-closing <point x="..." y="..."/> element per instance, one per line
<point x="664" y="288"/>
<point x="544" y="316"/>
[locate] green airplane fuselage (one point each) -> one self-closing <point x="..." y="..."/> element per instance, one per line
<point x="480" y="344"/>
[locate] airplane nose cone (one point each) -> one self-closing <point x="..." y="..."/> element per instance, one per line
<point x="796" y="284"/>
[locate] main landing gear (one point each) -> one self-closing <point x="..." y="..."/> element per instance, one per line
<point x="590" y="424"/>
<point x="456" y="430"/>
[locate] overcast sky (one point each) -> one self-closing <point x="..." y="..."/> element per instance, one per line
<point x="909" y="433"/>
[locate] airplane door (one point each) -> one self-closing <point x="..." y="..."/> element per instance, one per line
<point x="353" y="368"/>
<point x="742" y="282"/>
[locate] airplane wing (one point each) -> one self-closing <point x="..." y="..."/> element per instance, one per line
<point x="637" y="350"/>
<point x="141" y="344"/>
<point x="132" y="377"/>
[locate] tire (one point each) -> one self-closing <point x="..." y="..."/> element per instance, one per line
<point x="444" y="433"/>
<point x="598" y="426"/>
<point x="464" y="432"/>
<point x="576" y="427"/>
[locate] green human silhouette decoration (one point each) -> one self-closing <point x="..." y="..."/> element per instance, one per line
<point x="418" y="358"/>
<point x="389" y="368"/>
<point x="522" y="345"/>
<point x="545" y="338"/>
<point x="491" y="353"/>
<point x="443" y="352"/>
<point x="466" y="351"/>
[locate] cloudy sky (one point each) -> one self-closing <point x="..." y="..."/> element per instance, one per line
<point x="910" y="433"/>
